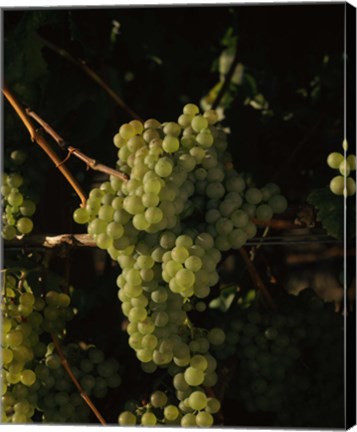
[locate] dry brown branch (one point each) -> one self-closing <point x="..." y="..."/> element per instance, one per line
<point x="83" y="394"/>
<point x="90" y="162"/>
<point x="93" y="75"/>
<point x="41" y="141"/>
<point x="50" y="242"/>
<point x="308" y="257"/>
<point x="256" y="278"/>
<point x="278" y="224"/>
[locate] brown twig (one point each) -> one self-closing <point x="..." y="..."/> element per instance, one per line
<point x="83" y="394"/>
<point x="90" y="72"/>
<point x="41" y="141"/>
<point x="256" y="278"/>
<point x="280" y="224"/>
<point x="91" y="163"/>
<point x="51" y="242"/>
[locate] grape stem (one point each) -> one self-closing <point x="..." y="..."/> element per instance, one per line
<point x="83" y="394"/>
<point x="278" y="223"/>
<point x="91" y="163"/>
<point x="93" y="75"/>
<point x="256" y="278"/>
<point x="41" y="141"/>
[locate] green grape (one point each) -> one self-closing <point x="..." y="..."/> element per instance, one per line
<point x="127" y="131"/>
<point x="81" y="216"/>
<point x="204" y="419"/>
<point x="193" y="376"/>
<point x="264" y="212"/>
<point x="15" y="198"/>
<point x="344" y="168"/>
<point x="158" y="399"/>
<point x="205" y="138"/>
<point x="197" y="400"/>
<point x="191" y="109"/>
<point x="216" y="336"/>
<point x="350" y="186"/>
<point x="198" y="123"/>
<point x="170" y="144"/>
<point x="199" y="362"/>
<point x="351" y="160"/>
<point x="24" y="225"/>
<point x="18" y="157"/>
<point x="14" y="338"/>
<point x="278" y="203"/>
<point x="163" y="168"/>
<point x="337" y="185"/>
<point x="253" y="196"/>
<point x="8" y="232"/>
<point x="188" y="420"/>
<point x="213" y="405"/>
<point x="171" y="412"/>
<point x="334" y="160"/>
<point x="148" y="419"/>
<point x="14" y="180"/>
<point x="126" y="418"/>
<point x="27" y="208"/>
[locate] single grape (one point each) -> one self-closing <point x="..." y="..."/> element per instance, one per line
<point x="24" y="225"/>
<point x="334" y="160"/>
<point x="126" y="418"/>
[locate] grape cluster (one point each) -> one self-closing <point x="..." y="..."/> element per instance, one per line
<point x="58" y="398"/>
<point x="35" y="386"/>
<point x="291" y="362"/>
<point x="166" y="227"/>
<point x="16" y="205"/>
<point x="342" y="184"/>
<point x="196" y="410"/>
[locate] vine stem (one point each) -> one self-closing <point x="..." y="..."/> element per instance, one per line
<point x="83" y="394"/>
<point x="50" y="241"/>
<point x="256" y="278"/>
<point x="93" y="75"/>
<point x="41" y="141"/>
<point x="278" y="224"/>
<point x="90" y="162"/>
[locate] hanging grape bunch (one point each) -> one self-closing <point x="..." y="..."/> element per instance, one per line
<point x="166" y="226"/>
<point x="342" y="184"/>
<point x="35" y="386"/>
<point x="17" y="208"/>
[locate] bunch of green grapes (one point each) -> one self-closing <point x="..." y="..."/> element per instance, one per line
<point x="58" y="400"/>
<point x="26" y="320"/>
<point x="35" y="386"/>
<point x="196" y="410"/>
<point x="17" y="207"/>
<point x="166" y="227"/>
<point x="290" y="362"/>
<point x="342" y="184"/>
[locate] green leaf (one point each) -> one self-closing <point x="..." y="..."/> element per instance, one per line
<point x="330" y="211"/>
<point x="224" y="300"/>
<point x="24" y="65"/>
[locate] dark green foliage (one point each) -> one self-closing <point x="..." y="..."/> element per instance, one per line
<point x="331" y="213"/>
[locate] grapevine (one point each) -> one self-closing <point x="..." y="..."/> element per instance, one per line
<point x="170" y="263"/>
